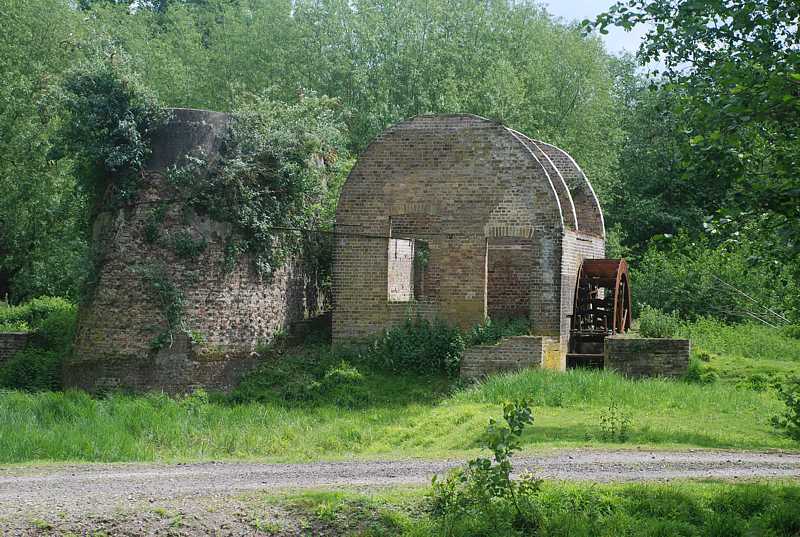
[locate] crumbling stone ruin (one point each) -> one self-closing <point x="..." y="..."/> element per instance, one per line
<point x="459" y="217"/>
<point x="159" y="320"/>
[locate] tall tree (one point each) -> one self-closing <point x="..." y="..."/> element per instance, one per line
<point x="734" y="69"/>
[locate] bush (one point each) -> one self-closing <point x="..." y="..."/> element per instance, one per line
<point x="38" y="366"/>
<point x="35" y="311"/>
<point x="493" y="331"/>
<point x="419" y="346"/>
<point x="57" y="331"/>
<point x="657" y="324"/>
<point x="32" y="369"/>
<point x="311" y="375"/>
<point x="483" y="491"/>
<point x="791" y="330"/>
<point x="14" y="326"/>
<point x="699" y="373"/>
<point x="789" y="421"/>
<point x="699" y="279"/>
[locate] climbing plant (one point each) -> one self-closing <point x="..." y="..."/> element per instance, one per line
<point x="272" y="181"/>
<point x="108" y="115"/>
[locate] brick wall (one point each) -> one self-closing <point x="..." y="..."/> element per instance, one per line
<point x="231" y="310"/>
<point x="509" y="279"/>
<point x="643" y="357"/>
<point x="457" y="183"/>
<point x="510" y="354"/>
<point x="496" y="210"/>
<point x="11" y="342"/>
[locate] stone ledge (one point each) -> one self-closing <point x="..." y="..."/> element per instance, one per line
<point x="510" y="354"/>
<point x="10" y="343"/>
<point x="647" y="357"/>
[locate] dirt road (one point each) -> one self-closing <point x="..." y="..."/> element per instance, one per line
<point x="27" y="492"/>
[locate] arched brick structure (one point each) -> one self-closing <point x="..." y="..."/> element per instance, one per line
<point x="587" y="208"/>
<point x="494" y="226"/>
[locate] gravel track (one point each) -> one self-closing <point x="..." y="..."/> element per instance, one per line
<point x="110" y="487"/>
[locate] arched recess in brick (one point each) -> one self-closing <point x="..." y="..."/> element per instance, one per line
<point x="587" y="207"/>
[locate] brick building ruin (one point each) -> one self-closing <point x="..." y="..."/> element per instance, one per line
<point x="459" y="217"/>
<point x="226" y="311"/>
<point x="454" y="217"/>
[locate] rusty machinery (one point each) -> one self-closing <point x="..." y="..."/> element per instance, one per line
<point x="602" y="308"/>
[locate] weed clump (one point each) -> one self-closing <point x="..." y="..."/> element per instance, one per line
<point x="657" y="324"/>
<point x="615" y="424"/>
<point x="51" y="324"/>
<point x="789" y="421"/>
<point x="699" y="372"/>
<point x="483" y="492"/>
<point x="419" y="346"/>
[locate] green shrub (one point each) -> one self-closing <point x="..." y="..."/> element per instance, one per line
<point x="57" y="331"/>
<point x="657" y="324"/>
<point x="615" y="424"/>
<point x="35" y="311"/>
<point x="789" y="421"/>
<point x="419" y="346"/>
<point x="700" y="373"/>
<point x="749" y="340"/>
<point x="38" y="367"/>
<point x="14" y="326"/>
<point x="32" y="369"/>
<point x="342" y="385"/>
<point x="493" y="331"/>
<point x="483" y="491"/>
<point x="311" y="375"/>
<point x="791" y="330"/>
<point x="696" y="278"/>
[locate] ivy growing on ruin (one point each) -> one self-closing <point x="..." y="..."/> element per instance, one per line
<point x="109" y="118"/>
<point x="281" y="165"/>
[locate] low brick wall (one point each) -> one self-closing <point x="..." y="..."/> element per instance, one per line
<point x="647" y="357"/>
<point x="510" y="354"/>
<point x="10" y="343"/>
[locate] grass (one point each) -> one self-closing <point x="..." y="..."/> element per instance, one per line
<point x="568" y="509"/>
<point x="73" y="426"/>
<point x="342" y="412"/>
<point x="737" y="353"/>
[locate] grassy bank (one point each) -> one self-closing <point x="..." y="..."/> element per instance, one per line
<point x="324" y="403"/>
<point x="575" y="510"/>
<point x="738" y="353"/>
<point x="568" y="407"/>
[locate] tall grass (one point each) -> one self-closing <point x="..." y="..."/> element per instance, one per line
<point x="749" y="340"/>
<point x="74" y="426"/>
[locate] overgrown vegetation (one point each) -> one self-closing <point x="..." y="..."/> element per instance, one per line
<point x="50" y="323"/>
<point x="657" y="324"/>
<point x="561" y="509"/>
<point x="420" y="346"/>
<point x="109" y="116"/>
<point x="483" y="491"/>
<point x="393" y="416"/>
<point x="492" y="331"/>
<point x="789" y="419"/>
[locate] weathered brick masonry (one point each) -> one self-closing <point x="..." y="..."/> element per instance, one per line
<point x="510" y="354"/>
<point x="229" y="310"/>
<point x="11" y="342"/>
<point x="647" y="357"/>
<point x="506" y="221"/>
